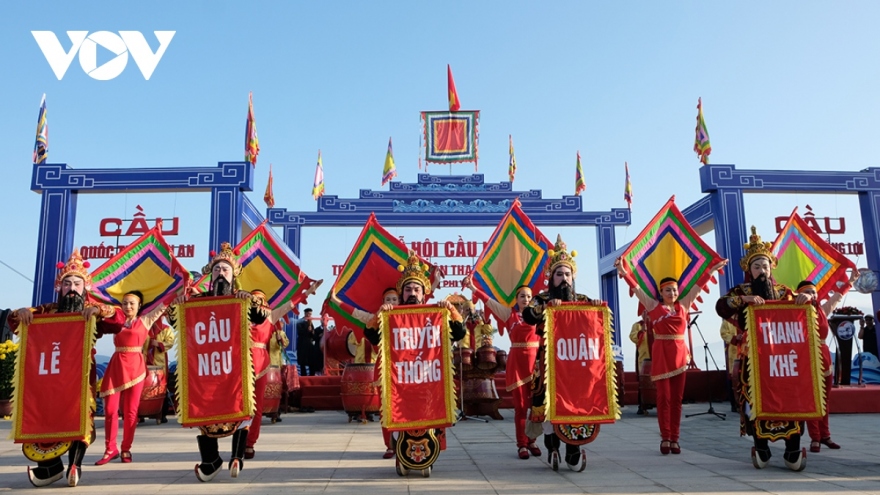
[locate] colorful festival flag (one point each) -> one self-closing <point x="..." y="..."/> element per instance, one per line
<point x="269" y="195"/>
<point x="514" y="256"/>
<point x="580" y="185"/>
<point x="511" y="167"/>
<point x="627" y="188"/>
<point x="206" y="365"/>
<point x="251" y="142"/>
<point x="668" y="247"/>
<point x="390" y="171"/>
<point x="803" y="255"/>
<point x="451" y="137"/>
<point x="267" y="264"/>
<point x="371" y="267"/>
<point x="46" y="408"/>
<point x="416" y="376"/>
<point x="147" y="265"/>
<point x="318" y="187"/>
<point x="454" y="103"/>
<point x="581" y="382"/>
<point x="785" y="362"/>
<point x="41" y="145"/>
<point x="702" y="146"/>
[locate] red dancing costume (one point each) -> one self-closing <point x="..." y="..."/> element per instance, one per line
<point x="524" y="344"/>
<point x="818" y="428"/>
<point x="124" y="379"/>
<point x="260" y="335"/>
<point x="669" y="356"/>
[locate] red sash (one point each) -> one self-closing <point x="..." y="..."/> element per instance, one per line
<point x="785" y="364"/>
<point x="581" y="386"/>
<point x="52" y="379"/>
<point x="214" y="371"/>
<point x="416" y="368"/>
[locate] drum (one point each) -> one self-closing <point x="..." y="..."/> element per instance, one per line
<point x="486" y="358"/>
<point x="501" y="358"/>
<point x="647" y="388"/>
<point x="291" y="389"/>
<point x="340" y="345"/>
<point x="272" y="394"/>
<point x="153" y="394"/>
<point x="466" y="358"/>
<point x="359" y="395"/>
<point x="480" y="390"/>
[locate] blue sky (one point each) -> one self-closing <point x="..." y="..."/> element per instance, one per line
<point x="785" y="85"/>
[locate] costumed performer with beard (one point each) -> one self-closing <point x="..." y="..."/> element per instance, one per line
<point x="262" y="327"/>
<point x="124" y="378"/>
<point x="72" y="284"/>
<point x="524" y="344"/>
<point x="412" y="288"/>
<point x="670" y="355"/>
<point x="224" y="268"/>
<point x="562" y="272"/>
<point x="759" y="287"/>
<point x="819" y="429"/>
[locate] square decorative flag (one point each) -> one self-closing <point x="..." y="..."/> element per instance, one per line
<point x="514" y="256"/>
<point x="268" y="265"/>
<point x="581" y="383"/>
<point x="451" y="137"/>
<point x="147" y="265"/>
<point x="51" y="402"/>
<point x="803" y="255"/>
<point x="785" y="363"/>
<point x="416" y="368"/>
<point x="668" y="247"/>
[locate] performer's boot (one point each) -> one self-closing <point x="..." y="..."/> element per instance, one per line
<point x="211" y="461"/>
<point x="239" y="442"/>
<point x="795" y="457"/>
<point x="46" y="472"/>
<point x="552" y="442"/>
<point x="575" y="458"/>
<point x="761" y="453"/>
<point x="74" y="459"/>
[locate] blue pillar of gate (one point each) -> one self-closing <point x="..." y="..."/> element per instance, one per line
<point x="54" y="241"/>
<point x="608" y="292"/>
<point x="869" y="203"/>
<point x="730" y="221"/>
<point x="227" y="206"/>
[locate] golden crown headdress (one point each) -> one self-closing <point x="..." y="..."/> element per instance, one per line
<point x="755" y="249"/>
<point x="74" y="266"/>
<point x="413" y="271"/>
<point x="558" y="256"/>
<point x="226" y="255"/>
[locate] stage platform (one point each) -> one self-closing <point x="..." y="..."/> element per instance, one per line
<point x="322" y="392"/>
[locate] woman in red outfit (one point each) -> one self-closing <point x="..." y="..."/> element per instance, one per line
<point x="669" y="354"/>
<point x="524" y="343"/>
<point x="124" y="378"/>
<point x="819" y="429"/>
<point x="262" y="327"/>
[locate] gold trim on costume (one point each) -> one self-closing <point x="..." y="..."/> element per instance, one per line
<point x="129" y="349"/>
<point x="525" y="345"/>
<point x="258" y="345"/>
<point x="524" y="381"/>
<point x="669" y="374"/>
<point x="124" y="386"/>
<point x="666" y="336"/>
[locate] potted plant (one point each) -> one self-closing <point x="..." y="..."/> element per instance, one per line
<point x="8" y="350"/>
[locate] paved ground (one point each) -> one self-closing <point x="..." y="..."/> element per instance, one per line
<point x="322" y="453"/>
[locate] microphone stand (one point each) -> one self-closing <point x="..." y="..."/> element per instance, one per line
<point x="706" y="354"/>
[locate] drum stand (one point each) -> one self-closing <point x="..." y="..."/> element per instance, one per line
<point x="706" y="354"/>
<point x="461" y="415"/>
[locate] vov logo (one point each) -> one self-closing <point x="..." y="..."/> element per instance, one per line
<point x="86" y="45"/>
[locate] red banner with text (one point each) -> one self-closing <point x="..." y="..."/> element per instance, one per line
<point x="417" y="388"/>
<point x="51" y="402"/>
<point x="581" y="385"/>
<point x="214" y="372"/>
<point x="785" y="363"/>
